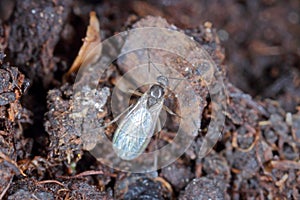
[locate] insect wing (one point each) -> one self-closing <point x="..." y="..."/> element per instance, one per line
<point x="136" y="129"/>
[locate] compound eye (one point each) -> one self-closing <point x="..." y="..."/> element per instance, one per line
<point x="163" y="80"/>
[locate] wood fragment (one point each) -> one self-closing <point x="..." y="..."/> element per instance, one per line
<point x="83" y="174"/>
<point x="282" y="180"/>
<point x="51" y="181"/>
<point x="285" y="164"/>
<point x="88" y="173"/>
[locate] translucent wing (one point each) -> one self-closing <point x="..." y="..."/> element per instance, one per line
<point x="136" y="129"/>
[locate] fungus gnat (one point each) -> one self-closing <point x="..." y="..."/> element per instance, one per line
<point x="138" y="126"/>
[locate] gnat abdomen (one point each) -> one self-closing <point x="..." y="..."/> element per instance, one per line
<point x="133" y="134"/>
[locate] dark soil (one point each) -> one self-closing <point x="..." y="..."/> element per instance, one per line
<point x="255" y="44"/>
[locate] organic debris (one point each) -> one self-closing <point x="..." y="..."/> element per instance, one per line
<point x="257" y="155"/>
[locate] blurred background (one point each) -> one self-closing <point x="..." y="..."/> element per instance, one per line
<point x="260" y="37"/>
